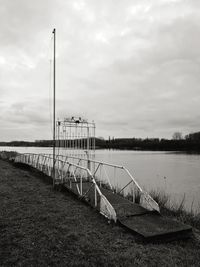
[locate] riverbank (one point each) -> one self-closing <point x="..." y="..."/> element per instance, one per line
<point x="190" y="144"/>
<point x="42" y="227"/>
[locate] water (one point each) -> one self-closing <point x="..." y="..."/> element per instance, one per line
<point x="178" y="174"/>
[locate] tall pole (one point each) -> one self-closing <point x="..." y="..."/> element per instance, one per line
<point x="54" y="105"/>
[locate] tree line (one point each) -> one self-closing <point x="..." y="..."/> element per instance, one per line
<point x="190" y="142"/>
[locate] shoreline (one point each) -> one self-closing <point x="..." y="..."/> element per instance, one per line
<point x="42" y="227"/>
<point x="191" y="206"/>
<point x="192" y="151"/>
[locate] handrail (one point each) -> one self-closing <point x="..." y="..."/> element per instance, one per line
<point x="69" y="163"/>
<point x="103" y="163"/>
<point x="95" y="161"/>
<point x="145" y="196"/>
<point x="104" y="205"/>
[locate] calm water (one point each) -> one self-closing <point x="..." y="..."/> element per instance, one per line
<point x="176" y="173"/>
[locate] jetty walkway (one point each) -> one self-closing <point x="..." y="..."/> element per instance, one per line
<point x="140" y="215"/>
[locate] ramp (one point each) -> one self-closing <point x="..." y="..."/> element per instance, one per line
<point x="156" y="227"/>
<point x="150" y="225"/>
<point x="143" y="218"/>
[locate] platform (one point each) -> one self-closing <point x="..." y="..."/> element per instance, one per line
<point x="148" y="224"/>
<point x="143" y="219"/>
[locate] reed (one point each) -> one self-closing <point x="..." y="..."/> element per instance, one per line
<point x="176" y="210"/>
<point x="7" y="155"/>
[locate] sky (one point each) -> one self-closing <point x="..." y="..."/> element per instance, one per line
<point x="132" y="66"/>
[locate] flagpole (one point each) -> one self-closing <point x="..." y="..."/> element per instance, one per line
<point x="54" y="104"/>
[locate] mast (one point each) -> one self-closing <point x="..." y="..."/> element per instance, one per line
<point x="54" y="103"/>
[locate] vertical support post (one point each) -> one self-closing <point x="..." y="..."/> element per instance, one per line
<point x="94" y="138"/>
<point x="59" y="144"/>
<point x="65" y="141"/>
<point x="54" y="104"/>
<point x="95" y="196"/>
<point x="100" y="174"/>
<point x="70" y="137"/>
<point x="82" y="148"/>
<point x="93" y="143"/>
<point x="81" y="185"/>
<point x="88" y="147"/>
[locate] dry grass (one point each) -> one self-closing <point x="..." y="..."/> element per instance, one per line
<point x="161" y="197"/>
<point x="6" y="155"/>
<point x="42" y="227"/>
<point x="175" y="210"/>
<point x="167" y="208"/>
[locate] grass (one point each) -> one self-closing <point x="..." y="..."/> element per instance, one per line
<point x="6" y="155"/>
<point x="160" y="197"/>
<point x="175" y="210"/>
<point x="167" y="208"/>
<point x="43" y="227"/>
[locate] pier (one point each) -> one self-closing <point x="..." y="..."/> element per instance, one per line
<point x="138" y="213"/>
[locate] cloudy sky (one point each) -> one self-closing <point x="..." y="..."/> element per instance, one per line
<point x="132" y="66"/>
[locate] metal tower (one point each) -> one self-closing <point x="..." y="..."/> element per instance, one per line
<point x="75" y="137"/>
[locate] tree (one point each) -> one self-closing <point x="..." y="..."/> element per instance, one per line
<point x="177" y="136"/>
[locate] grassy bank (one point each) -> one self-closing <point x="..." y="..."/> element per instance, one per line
<point x="42" y="227"/>
<point x="177" y="210"/>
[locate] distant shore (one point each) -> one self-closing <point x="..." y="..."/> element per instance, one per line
<point x="147" y="144"/>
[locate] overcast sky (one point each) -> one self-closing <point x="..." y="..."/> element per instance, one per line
<point x="132" y="66"/>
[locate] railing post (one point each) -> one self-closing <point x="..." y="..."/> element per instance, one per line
<point x="95" y="195"/>
<point x="81" y="186"/>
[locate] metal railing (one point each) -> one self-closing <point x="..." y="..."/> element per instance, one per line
<point x="114" y="177"/>
<point x="118" y="179"/>
<point x="75" y="177"/>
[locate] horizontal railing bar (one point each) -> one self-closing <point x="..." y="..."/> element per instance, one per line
<point x="95" y="161"/>
<point x="37" y="158"/>
<point x="69" y="163"/>
<point x="91" y="160"/>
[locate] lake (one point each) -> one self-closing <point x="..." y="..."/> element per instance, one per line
<point x="178" y="174"/>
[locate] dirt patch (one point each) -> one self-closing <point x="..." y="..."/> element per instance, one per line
<point x="43" y="227"/>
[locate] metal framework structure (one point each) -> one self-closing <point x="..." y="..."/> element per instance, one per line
<point x="75" y="137"/>
<point x="71" y="172"/>
<point x="116" y="178"/>
<point x="87" y="185"/>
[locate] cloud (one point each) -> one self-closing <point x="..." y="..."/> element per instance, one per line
<point x="132" y="66"/>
